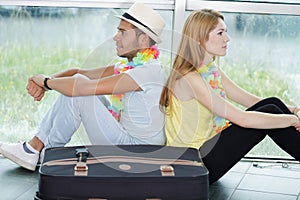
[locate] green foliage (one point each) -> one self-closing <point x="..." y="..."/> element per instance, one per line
<point x="259" y="80"/>
<point x="19" y="113"/>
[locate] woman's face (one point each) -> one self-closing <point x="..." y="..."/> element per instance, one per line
<point x="216" y="45"/>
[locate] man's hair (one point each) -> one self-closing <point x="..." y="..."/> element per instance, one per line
<point x="139" y="32"/>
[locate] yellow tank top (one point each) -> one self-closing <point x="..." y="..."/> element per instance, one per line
<point x="190" y="124"/>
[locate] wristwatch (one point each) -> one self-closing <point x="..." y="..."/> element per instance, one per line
<point x="45" y="83"/>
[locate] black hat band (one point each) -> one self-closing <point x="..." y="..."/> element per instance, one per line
<point x="128" y="16"/>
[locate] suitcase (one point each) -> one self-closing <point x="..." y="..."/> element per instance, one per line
<point x="122" y="172"/>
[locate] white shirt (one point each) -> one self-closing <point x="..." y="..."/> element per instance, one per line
<point x="141" y="116"/>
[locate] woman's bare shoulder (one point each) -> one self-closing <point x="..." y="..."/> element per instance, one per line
<point x="184" y="87"/>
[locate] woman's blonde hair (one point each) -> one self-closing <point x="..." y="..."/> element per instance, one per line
<point x="191" y="50"/>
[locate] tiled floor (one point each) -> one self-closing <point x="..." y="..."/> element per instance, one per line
<point x="266" y="181"/>
<point x="258" y="181"/>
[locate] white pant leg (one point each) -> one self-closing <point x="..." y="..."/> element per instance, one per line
<point x="100" y="125"/>
<point x="66" y="115"/>
<point x="59" y="123"/>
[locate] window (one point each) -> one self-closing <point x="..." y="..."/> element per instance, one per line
<point x="49" y="36"/>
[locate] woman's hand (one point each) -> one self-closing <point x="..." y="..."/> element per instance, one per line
<point x="298" y="114"/>
<point x="297" y="128"/>
<point x="297" y="123"/>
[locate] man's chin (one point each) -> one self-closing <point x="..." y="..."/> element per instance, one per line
<point x="124" y="55"/>
<point x="120" y="54"/>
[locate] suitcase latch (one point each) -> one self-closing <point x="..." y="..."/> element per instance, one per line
<point x="81" y="169"/>
<point x="167" y="170"/>
<point x="81" y="166"/>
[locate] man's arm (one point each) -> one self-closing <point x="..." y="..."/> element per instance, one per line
<point x="79" y="86"/>
<point x="95" y="73"/>
<point x="37" y="92"/>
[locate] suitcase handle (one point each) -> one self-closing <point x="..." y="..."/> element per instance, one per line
<point x="81" y="169"/>
<point x="127" y="159"/>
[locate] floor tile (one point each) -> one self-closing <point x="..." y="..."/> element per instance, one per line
<point x="19" y="174"/>
<point x="229" y="180"/>
<point x="11" y="189"/>
<point x="270" y="184"/>
<point x="220" y="193"/>
<point x="241" y="167"/>
<point x="29" y="195"/>
<point x="15" y="181"/>
<point x="252" y="195"/>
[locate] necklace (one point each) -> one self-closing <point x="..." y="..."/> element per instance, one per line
<point x="123" y="65"/>
<point x="211" y="75"/>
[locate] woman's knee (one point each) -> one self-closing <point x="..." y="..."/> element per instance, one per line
<point x="274" y="100"/>
<point x="270" y="108"/>
<point x="278" y="105"/>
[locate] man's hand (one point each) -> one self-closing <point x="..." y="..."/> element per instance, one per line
<point x="36" y="91"/>
<point x="38" y="79"/>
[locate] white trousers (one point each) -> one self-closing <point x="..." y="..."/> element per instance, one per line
<point x="65" y="116"/>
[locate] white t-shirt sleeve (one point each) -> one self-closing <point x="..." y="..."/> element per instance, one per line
<point x="147" y="75"/>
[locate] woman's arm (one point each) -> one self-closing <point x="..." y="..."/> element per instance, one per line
<point x="236" y="93"/>
<point x="201" y="91"/>
<point x="243" y="97"/>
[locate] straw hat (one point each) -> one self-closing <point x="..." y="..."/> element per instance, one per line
<point x="145" y="19"/>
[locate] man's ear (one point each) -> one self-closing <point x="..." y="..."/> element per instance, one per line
<point x="144" y="40"/>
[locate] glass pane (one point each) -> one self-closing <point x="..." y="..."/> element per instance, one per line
<point x="46" y="40"/>
<point x="263" y="59"/>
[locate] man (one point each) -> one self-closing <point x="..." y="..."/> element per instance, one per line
<point x="134" y="84"/>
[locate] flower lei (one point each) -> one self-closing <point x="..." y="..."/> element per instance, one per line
<point x="211" y="75"/>
<point x="123" y="65"/>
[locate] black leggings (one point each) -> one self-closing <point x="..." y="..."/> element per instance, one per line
<point x="223" y="151"/>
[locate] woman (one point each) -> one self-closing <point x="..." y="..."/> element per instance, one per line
<point x="198" y="113"/>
